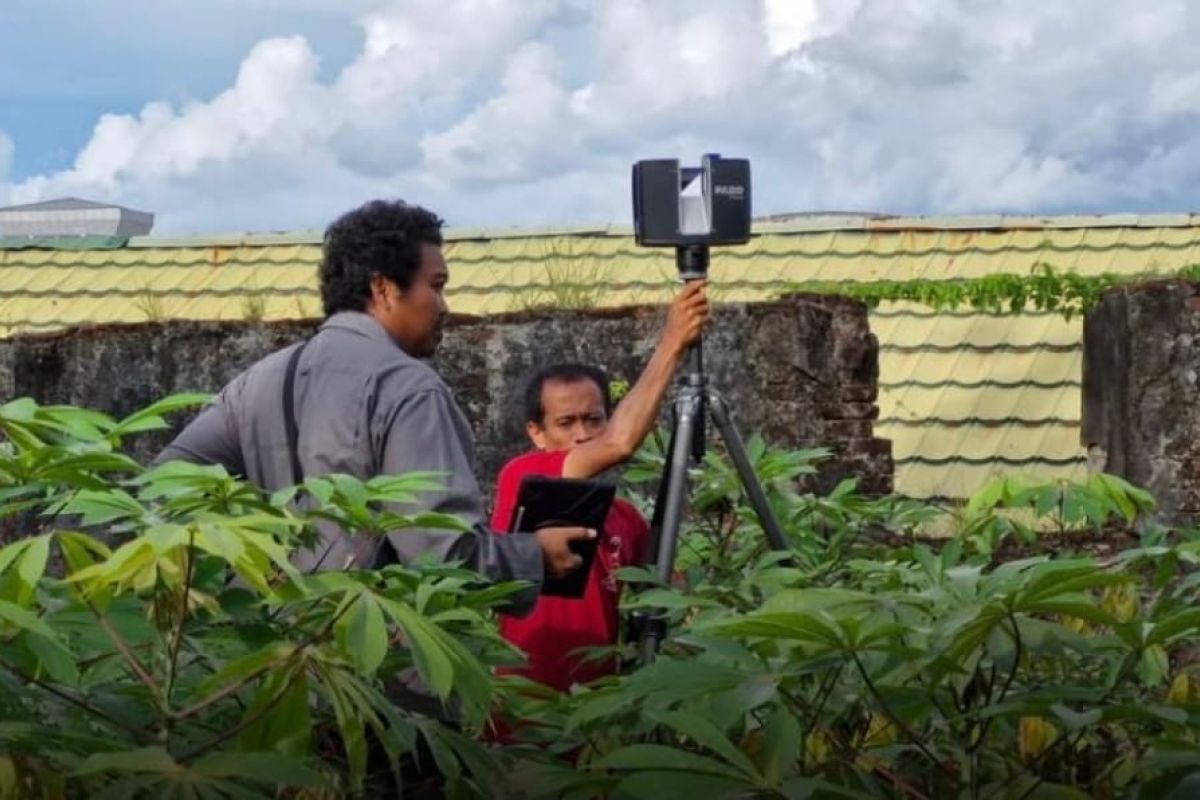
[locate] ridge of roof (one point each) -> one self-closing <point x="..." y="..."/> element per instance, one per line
<point x="58" y="241"/>
<point x="67" y="204"/>
<point x="816" y="223"/>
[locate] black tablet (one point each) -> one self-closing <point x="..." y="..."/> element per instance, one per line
<point x="545" y="502"/>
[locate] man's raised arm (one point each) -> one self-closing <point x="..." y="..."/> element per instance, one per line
<point x="637" y="412"/>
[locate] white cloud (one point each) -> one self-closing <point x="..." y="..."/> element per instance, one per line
<point x="423" y="48"/>
<point x="791" y="24"/>
<point x="508" y="137"/>
<point x="494" y="112"/>
<point x="272" y="108"/>
<point x="670" y="59"/>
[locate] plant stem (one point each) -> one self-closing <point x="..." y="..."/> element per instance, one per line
<point x="232" y="688"/>
<point x="138" y="668"/>
<point x="78" y="702"/>
<point x="899" y="723"/>
<point x="896" y="780"/>
<point x="1062" y="737"/>
<point x="246" y="722"/>
<point x="177" y="640"/>
<point x="825" y="691"/>
<point x="1012" y="675"/>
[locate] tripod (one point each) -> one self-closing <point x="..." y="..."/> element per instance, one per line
<point x="686" y="447"/>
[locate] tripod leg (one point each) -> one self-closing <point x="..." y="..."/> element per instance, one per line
<point x="741" y="462"/>
<point x="671" y="514"/>
<point x="660" y="496"/>
<point x="668" y="513"/>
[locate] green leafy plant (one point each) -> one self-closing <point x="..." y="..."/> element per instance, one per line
<point x="571" y="281"/>
<point x="150" y="304"/>
<point x="1012" y="506"/>
<point x="723" y="537"/>
<point x="1044" y="288"/>
<point x="156" y="639"/>
<point x="856" y="666"/>
<point x="254" y="307"/>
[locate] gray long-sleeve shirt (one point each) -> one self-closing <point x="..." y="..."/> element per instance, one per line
<point x="363" y="407"/>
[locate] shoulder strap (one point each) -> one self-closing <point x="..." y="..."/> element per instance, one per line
<point x="289" y="413"/>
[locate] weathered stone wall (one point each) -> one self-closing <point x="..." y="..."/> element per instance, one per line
<point x="801" y="371"/>
<point x="1141" y="368"/>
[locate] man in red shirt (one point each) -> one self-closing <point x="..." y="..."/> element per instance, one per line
<point x="568" y="421"/>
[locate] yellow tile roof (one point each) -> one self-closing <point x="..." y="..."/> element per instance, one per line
<point x="963" y="396"/>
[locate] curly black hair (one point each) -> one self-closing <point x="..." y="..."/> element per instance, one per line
<point x="382" y="237"/>
<point x="563" y="373"/>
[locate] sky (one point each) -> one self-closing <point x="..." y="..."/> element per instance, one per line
<point x="276" y="115"/>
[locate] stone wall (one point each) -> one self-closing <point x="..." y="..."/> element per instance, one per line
<point x="800" y="371"/>
<point x="1141" y="366"/>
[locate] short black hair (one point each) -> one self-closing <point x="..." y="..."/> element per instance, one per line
<point x="382" y="237"/>
<point x="563" y="373"/>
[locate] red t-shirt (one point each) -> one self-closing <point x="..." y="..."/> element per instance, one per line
<point x="559" y="625"/>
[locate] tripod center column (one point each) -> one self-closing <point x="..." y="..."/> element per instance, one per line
<point x="692" y="261"/>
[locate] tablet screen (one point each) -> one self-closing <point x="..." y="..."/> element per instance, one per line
<point x="544" y="502"/>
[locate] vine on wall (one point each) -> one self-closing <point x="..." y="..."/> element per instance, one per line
<point x="1043" y="289"/>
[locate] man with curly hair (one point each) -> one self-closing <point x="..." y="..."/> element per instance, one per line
<point x="357" y="399"/>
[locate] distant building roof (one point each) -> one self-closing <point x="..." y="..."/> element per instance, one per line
<point x="62" y="204"/>
<point x="963" y="395"/>
<point x="793" y="216"/>
<point x="73" y="216"/>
